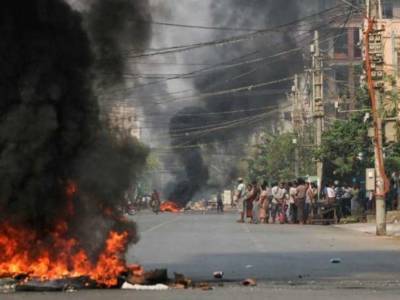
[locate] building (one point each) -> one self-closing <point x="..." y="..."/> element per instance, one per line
<point x="343" y="64"/>
<point x="123" y="118"/>
<point x="344" y="61"/>
<point x="387" y="70"/>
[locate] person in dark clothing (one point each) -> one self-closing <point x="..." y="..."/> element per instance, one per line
<point x="220" y="203"/>
<point x="155" y="202"/>
<point x="301" y="200"/>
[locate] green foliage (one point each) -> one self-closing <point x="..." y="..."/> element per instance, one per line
<point x="392" y="158"/>
<point x="346" y="149"/>
<point x="275" y="157"/>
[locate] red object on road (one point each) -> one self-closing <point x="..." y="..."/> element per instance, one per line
<point x="170" y="206"/>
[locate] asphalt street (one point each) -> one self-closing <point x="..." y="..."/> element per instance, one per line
<point x="197" y="245"/>
<point x="288" y="261"/>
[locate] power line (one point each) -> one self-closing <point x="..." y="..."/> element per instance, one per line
<point x="220" y="66"/>
<point x="230" y="40"/>
<point x="230" y="91"/>
<point x="187" y="75"/>
<point x="226" y="112"/>
<point x="188" y="130"/>
<point x="242" y="121"/>
<point x="352" y="5"/>
<point x="189" y="26"/>
<point x="250" y="87"/>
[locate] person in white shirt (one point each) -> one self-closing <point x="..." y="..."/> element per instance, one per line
<point x="240" y="196"/>
<point x="331" y="200"/>
<point x="331" y="194"/>
<point x="292" y="204"/>
<point x="278" y="197"/>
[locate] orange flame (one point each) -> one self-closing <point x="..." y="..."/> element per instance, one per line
<point x="58" y="256"/>
<point x="23" y="253"/>
<point x="70" y="191"/>
<point x="169" y="206"/>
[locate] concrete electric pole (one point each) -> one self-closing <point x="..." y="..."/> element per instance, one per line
<point x="296" y="120"/>
<point x="374" y="67"/>
<point x="318" y="98"/>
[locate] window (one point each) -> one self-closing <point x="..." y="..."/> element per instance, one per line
<point x="340" y="42"/>
<point x="357" y="47"/>
<point x="287" y="116"/>
<point x="342" y="80"/>
<point x="388" y="9"/>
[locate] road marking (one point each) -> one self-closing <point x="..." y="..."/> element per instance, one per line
<point x="160" y="225"/>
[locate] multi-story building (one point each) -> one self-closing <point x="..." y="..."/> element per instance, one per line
<point x="344" y="55"/>
<point x="122" y="117"/>
<point x="387" y="70"/>
<point x="343" y="64"/>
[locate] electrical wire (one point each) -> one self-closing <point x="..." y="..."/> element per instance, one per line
<point x="230" y="40"/>
<point x="248" y="122"/>
<point x="190" y="26"/>
<point x="221" y="66"/>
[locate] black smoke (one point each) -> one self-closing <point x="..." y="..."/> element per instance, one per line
<point x="185" y="138"/>
<point x="118" y="29"/>
<point x="50" y="130"/>
<point x="233" y="140"/>
<point x="254" y="14"/>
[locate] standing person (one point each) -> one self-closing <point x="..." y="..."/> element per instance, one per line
<point x="339" y="192"/>
<point x="240" y="195"/>
<point x="292" y="203"/>
<point x="278" y="196"/>
<point x="274" y="202"/>
<point x="309" y="202"/>
<point x="301" y="199"/>
<point x="370" y="201"/>
<point x="264" y="203"/>
<point x="331" y="200"/>
<point x="251" y="196"/>
<point x="256" y="204"/>
<point x="355" y="200"/>
<point x="314" y="206"/>
<point x="270" y="197"/>
<point x="331" y="194"/>
<point x="155" y="201"/>
<point x="396" y="189"/>
<point x="220" y="203"/>
<point x="286" y="204"/>
<point x="346" y="200"/>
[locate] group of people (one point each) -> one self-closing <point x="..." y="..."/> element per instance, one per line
<point x="284" y="202"/>
<point x="347" y="199"/>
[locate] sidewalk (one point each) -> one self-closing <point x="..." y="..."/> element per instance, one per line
<point x="370" y="228"/>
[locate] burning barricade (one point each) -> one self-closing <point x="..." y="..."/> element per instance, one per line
<point x="197" y="206"/>
<point x="170" y="206"/>
<point x="55" y="258"/>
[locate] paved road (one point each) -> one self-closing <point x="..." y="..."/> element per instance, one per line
<point x="288" y="261"/>
<point x="198" y="245"/>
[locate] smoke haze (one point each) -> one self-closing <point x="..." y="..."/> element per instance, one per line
<point x="51" y="136"/>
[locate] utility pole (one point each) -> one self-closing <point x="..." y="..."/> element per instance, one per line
<point x="374" y="67"/>
<point x="318" y="99"/>
<point x="296" y="124"/>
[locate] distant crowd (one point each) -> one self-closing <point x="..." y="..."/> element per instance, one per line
<point x="296" y="202"/>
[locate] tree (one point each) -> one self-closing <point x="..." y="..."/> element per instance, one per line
<point x="346" y="149"/>
<point x="273" y="159"/>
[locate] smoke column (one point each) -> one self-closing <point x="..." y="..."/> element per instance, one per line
<point x="50" y="130"/>
<point x="218" y="152"/>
